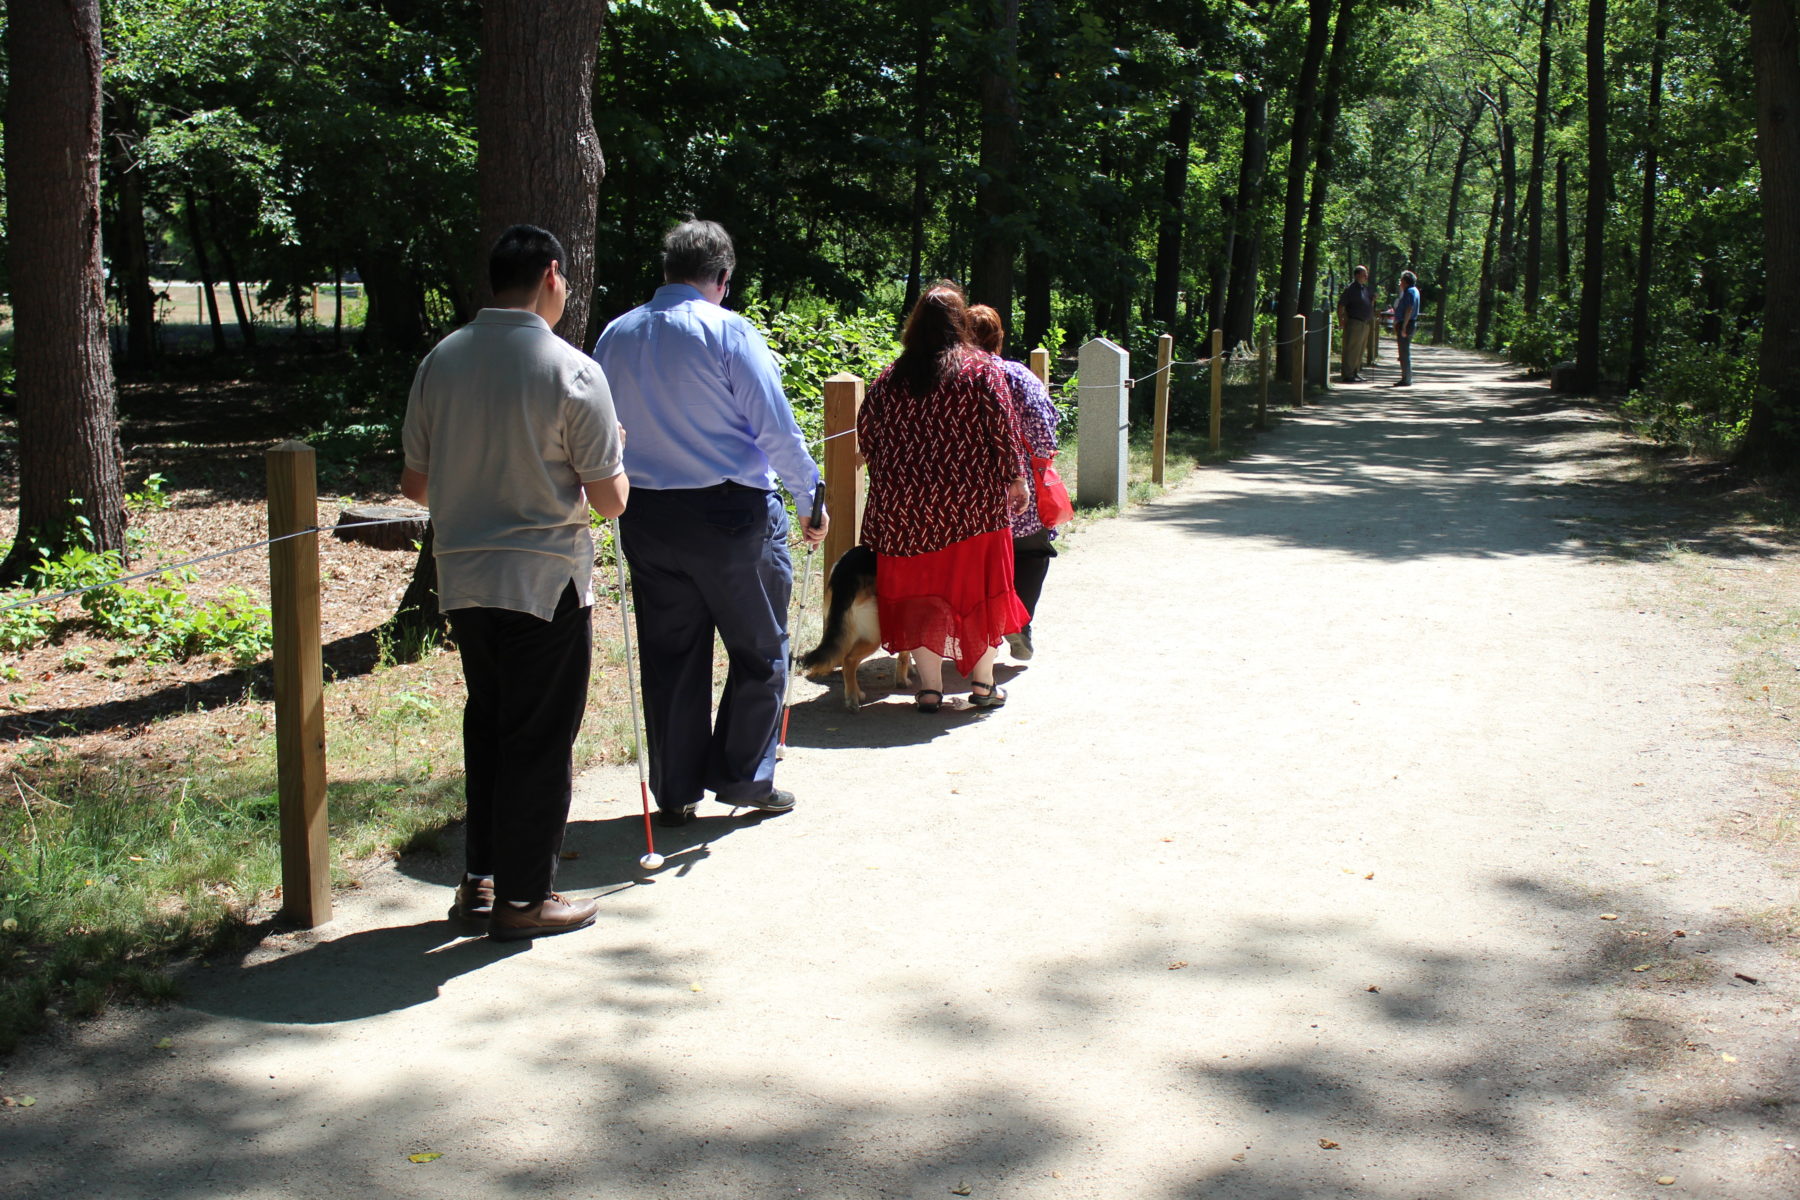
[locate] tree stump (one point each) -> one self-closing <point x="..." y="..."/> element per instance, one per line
<point x="406" y="527"/>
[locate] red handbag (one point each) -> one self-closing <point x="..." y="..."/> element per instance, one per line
<point x="1052" y="497"/>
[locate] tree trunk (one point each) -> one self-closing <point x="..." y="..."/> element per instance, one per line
<point x="538" y="162"/>
<point x="1593" y="257"/>
<point x="131" y="257"/>
<point x="1534" y="180"/>
<point x="1771" y="440"/>
<point x="1446" y="263"/>
<point x="1484" y="305"/>
<point x="921" y="190"/>
<point x="1330" y="102"/>
<point x="1038" y="286"/>
<point x="1241" y="297"/>
<point x="991" y="279"/>
<point x="538" y="159"/>
<point x="1166" y="290"/>
<point x="246" y="323"/>
<point x="1293" y="215"/>
<point x="68" y="427"/>
<point x="1506" y="256"/>
<point x="1640" y="296"/>
<point x="207" y="279"/>
<point x="1564" y="273"/>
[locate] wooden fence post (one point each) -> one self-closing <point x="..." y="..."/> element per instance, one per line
<point x="1297" y="333"/>
<point x="844" y="488"/>
<point x="299" y="685"/>
<point x="1040" y="365"/>
<point x="1159" y="437"/>
<point x="1262" y="384"/>
<point x="1218" y="389"/>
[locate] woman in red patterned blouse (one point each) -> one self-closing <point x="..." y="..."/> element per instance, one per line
<point x="947" y="468"/>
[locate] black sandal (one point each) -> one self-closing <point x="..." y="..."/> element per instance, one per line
<point x="993" y="697"/>
<point x="928" y="706"/>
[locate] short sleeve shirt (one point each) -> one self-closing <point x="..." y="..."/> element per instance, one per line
<point x="508" y="421"/>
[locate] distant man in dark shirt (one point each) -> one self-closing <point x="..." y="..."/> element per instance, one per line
<point x="1356" y="313"/>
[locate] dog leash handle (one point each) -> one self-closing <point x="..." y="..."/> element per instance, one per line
<point x="818" y="505"/>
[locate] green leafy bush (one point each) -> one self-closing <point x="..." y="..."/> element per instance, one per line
<point x="1540" y="340"/>
<point x="814" y="343"/>
<point x="1699" y="399"/>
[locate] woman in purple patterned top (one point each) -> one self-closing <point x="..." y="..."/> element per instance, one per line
<point x="1032" y="550"/>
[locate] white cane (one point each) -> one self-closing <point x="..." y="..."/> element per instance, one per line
<point x="812" y="522"/>
<point x="651" y="860"/>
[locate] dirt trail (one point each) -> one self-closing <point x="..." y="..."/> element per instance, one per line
<point x="1281" y="876"/>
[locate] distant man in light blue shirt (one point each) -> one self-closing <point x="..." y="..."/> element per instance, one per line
<point x="1406" y="321"/>
<point x="706" y="533"/>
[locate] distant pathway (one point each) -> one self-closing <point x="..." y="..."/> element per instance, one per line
<point x="1281" y="876"/>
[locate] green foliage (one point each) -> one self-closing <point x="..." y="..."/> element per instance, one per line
<point x="1699" y="399"/>
<point x="151" y="497"/>
<point x="1540" y="340"/>
<point x="25" y="626"/>
<point x="816" y="342"/>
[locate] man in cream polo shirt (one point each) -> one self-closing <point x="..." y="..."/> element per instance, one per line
<point x="510" y="437"/>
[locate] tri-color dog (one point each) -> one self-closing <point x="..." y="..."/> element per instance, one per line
<point x="852" y="627"/>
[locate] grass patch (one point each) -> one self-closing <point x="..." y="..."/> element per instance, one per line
<point x="121" y="860"/>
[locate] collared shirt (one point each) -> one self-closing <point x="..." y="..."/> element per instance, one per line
<point x="700" y="392"/>
<point x="1358" y="301"/>
<point x="507" y="421"/>
<point x="1406" y="308"/>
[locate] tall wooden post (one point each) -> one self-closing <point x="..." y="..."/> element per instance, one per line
<point x="1040" y="365"/>
<point x="299" y="685"/>
<point x="1297" y="334"/>
<point x="1159" y="437"/>
<point x="1262" y="384"/>
<point x="844" y="488"/>
<point x="1218" y="389"/>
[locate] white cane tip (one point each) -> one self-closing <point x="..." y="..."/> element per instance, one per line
<point x="650" y="861"/>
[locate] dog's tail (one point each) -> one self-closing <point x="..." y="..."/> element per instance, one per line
<point x="852" y="572"/>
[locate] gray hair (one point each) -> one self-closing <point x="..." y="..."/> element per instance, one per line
<point x="697" y="252"/>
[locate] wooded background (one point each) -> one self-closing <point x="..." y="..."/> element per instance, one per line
<point x="1570" y="179"/>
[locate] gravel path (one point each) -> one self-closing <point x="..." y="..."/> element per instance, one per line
<point x="1283" y="875"/>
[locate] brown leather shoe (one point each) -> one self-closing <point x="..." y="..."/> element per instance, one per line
<point x="475" y="899"/>
<point x="555" y="915"/>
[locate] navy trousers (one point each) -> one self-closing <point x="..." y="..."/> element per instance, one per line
<point x="527" y="681"/>
<point x="706" y="560"/>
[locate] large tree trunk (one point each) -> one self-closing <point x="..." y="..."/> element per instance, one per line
<point x="1293" y="214"/>
<point x="131" y="256"/>
<point x="1771" y="440"/>
<point x="538" y="159"/>
<point x="538" y="162"/>
<point x="1534" y="179"/>
<point x="991" y="280"/>
<point x="1446" y="264"/>
<point x="1564" y="273"/>
<point x="68" y="427"/>
<point x="1506" y="250"/>
<point x="1330" y="102"/>
<point x="1241" y="297"/>
<point x="1640" y="295"/>
<point x="1593" y="256"/>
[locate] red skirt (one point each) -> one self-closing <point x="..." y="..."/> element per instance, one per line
<point x="956" y="602"/>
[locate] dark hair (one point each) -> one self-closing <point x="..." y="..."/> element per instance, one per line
<point x="936" y="333"/>
<point x="697" y="252"/>
<point x="986" y="329"/>
<point x="1358" y="269"/>
<point x="521" y="256"/>
<point x="1408" y="278"/>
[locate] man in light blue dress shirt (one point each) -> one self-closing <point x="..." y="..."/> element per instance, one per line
<point x="706" y="533"/>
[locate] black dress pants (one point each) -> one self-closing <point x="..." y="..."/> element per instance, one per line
<point x="527" y="681"/>
<point x="1031" y="562"/>
<point x="706" y="560"/>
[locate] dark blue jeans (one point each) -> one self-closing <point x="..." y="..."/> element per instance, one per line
<point x="706" y="560"/>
